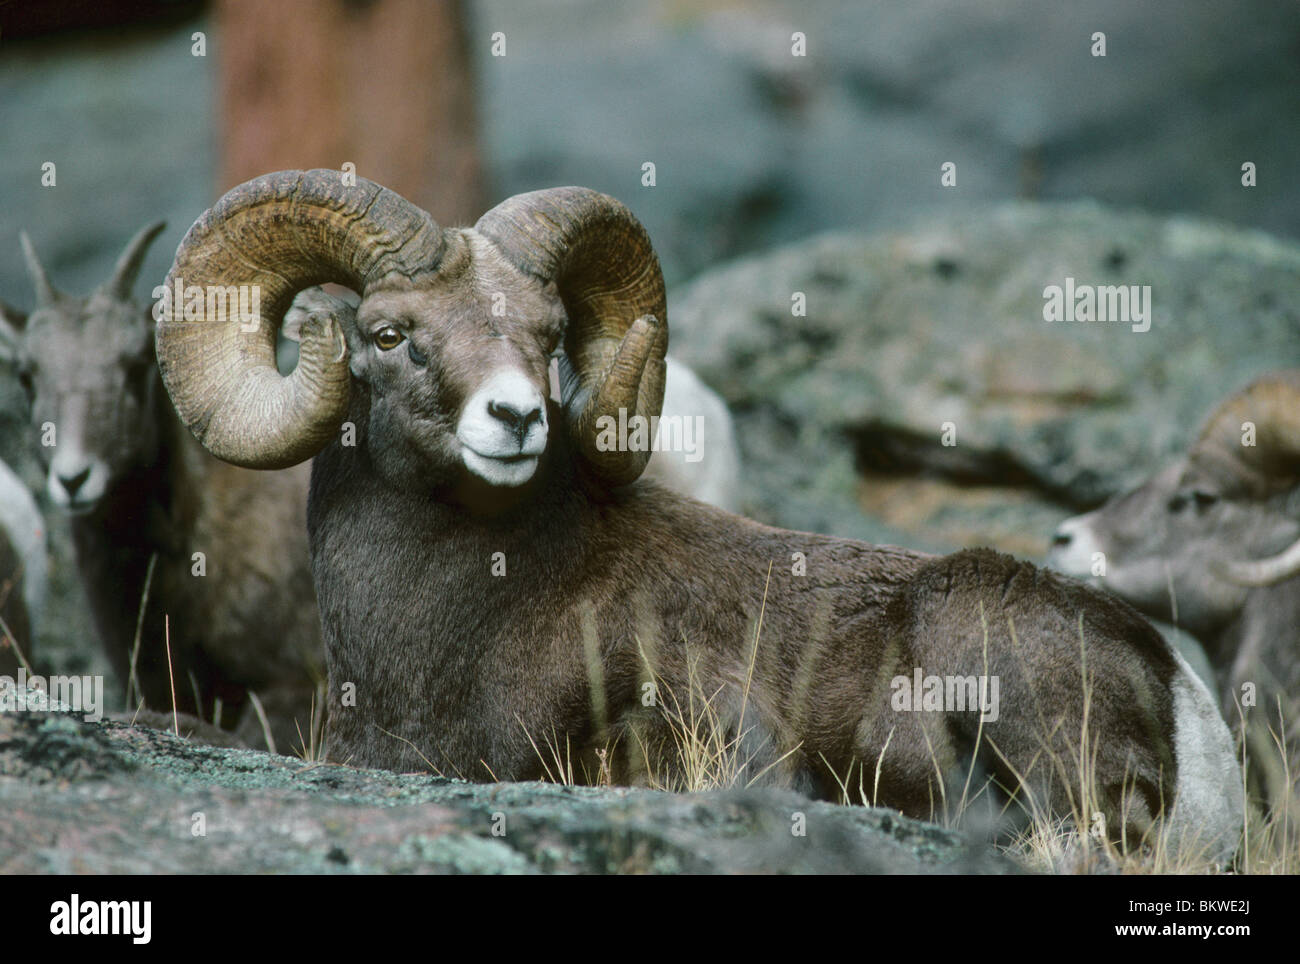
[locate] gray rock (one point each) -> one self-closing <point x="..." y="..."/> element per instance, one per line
<point x="840" y="413"/>
<point x="754" y="147"/>
<point x="107" y="798"/>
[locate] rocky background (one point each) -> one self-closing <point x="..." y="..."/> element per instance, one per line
<point x="774" y="175"/>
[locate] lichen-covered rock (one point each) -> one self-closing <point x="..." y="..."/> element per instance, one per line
<point x="841" y="412"/>
<point x="108" y="798"/>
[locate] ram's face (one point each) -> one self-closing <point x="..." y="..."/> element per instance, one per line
<point x="1165" y="545"/>
<point x="87" y="366"/>
<point x="458" y="371"/>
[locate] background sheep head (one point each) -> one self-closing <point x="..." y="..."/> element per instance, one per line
<point x="1201" y="532"/>
<point x="87" y="366"/>
<point x="446" y="367"/>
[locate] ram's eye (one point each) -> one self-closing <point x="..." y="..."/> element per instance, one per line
<point x="1204" y="499"/>
<point x="388" y="338"/>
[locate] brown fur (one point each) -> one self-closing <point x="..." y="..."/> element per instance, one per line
<point x="249" y="624"/>
<point x="467" y="666"/>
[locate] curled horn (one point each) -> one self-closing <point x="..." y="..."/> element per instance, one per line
<point x="1266" y="572"/>
<point x="45" y="293"/>
<point x="280" y="233"/>
<point x="128" y="263"/>
<point x="607" y="275"/>
<point x="1272" y="405"/>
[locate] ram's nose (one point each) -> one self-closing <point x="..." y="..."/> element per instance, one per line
<point x="76" y="483"/>
<point x="515" y="415"/>
<point x="504" y="420"/>
<point x="1072" y="548"/>
<point x="71" y="483"/>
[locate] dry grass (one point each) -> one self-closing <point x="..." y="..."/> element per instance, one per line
<point x="710" y="747"/>
<point x="557" y="761"/>
<point x="311" y="746"/>
<point x="11" y="641"/>
<point x="1075" y="844"/>
<point x="710" y="751"/>
<point x="706" y="750"/>
<point x="1270" y="844"/>
<point x="256" y="702"/>
<point x="132" y="679"/>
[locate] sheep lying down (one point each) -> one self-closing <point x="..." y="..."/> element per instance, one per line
<point x="496" y="576"/>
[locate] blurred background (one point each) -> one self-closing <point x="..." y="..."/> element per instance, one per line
<point x="753" y="147"/>
<point x="924" y="301"/>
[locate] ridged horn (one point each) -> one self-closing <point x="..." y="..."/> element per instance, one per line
<point x="608" y="277"/>
<point x="1272" y="404"/>
<point x="279" y="233"/>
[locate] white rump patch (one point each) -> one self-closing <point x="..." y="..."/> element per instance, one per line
<point x="1208" y="813"/>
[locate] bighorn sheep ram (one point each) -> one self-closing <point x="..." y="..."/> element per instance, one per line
<point x="139" y="490"/>
<point x="1212" y="542"/>
<point x="492" y="574"/>
<point x="23" y="570"/>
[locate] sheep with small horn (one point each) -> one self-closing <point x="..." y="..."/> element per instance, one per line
<point x="196" y="572"/>
<point x="1212" y="543"/>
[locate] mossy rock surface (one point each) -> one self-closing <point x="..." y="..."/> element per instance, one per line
<point x="83" y="797"/>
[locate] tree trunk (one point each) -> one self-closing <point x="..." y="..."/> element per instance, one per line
<point x="384" y="84"/>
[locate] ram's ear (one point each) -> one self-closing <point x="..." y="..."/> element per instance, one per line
<point x="306" y="302"/>
<point x="11" y="327"/>
<point x="316" y="300"/>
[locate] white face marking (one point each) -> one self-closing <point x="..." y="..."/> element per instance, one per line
<point x="1074" y="558"/>
<point x="1208" y="812"/>
<point x="503" y="429"/>
<point x="76" y="481"/>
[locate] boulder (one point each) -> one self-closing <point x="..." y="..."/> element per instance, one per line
<point x="936" y="334"/>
